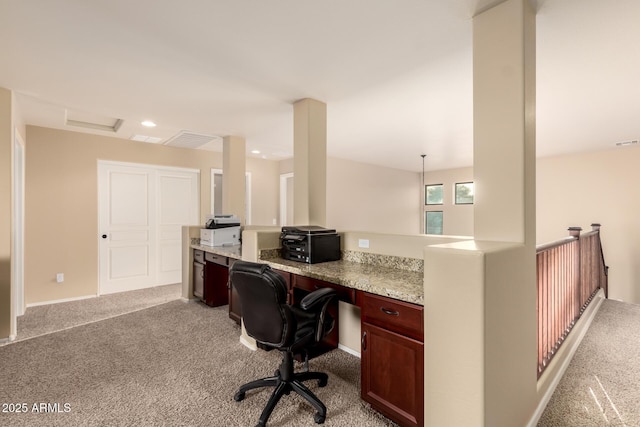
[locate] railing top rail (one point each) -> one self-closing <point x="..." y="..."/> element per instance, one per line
<point x="547" y="246"/>
<point x="589" y="233"/>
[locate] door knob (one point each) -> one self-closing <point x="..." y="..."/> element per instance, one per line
<point x="104" y="236"/>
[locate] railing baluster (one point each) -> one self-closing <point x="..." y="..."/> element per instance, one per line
<point x="569" y="273"/>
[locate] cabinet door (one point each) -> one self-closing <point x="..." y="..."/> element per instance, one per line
<point x="198" y="280"/>
<point x="215" y="284"/>
<point x="393" y="374"/>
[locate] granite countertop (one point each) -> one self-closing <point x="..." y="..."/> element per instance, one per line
<point x="395" y="283"/>
<point x="398" y="283"/>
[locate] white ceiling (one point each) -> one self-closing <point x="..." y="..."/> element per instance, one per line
<point x="396" y="75"/>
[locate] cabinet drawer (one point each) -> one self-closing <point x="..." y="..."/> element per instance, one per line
<point x="198" y="256"/>
<point x="216" y="259"/>
<point x="310" y="284"/>
<point x="398" y="316"/>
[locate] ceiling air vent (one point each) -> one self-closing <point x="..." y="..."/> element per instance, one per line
<point x="186" y="139"/>
<point x="625" y="143"/>
<point x="145" y="138"/>
<point x="92" y="121"/>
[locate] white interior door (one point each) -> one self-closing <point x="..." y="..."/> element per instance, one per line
<point x="178" y="202"/>
<point x="127" y="227"/>
<point x="142" y="209"/>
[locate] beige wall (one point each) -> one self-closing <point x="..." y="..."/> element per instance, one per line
<point x="457" y="219"/>
<point x="6" y="154"/>
<point x="362" y="197"/>
<point x="61" y="218"/>
<point x="408" y="245"/>
<point x="578" y="190"/>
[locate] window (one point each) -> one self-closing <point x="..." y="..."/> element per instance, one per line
<point x="433" y="194"/>
<point x="464" y="193"/>
<point x="433" y="222"/>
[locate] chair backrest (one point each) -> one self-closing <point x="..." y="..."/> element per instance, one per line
<point x="263" y="296"/>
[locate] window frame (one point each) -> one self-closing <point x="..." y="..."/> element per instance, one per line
<point x="426" y="223"/>
<point x="455" y="193"/>
<point x="426" y="198"/>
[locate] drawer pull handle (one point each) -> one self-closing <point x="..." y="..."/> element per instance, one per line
<point x="389" y="312"/>
<point x="364" y="341"/>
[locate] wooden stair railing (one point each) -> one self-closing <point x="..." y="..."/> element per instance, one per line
<point x="569" y="274"/>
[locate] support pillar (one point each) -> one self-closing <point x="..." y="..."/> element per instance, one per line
<point x="504" y="84"/>
<point x="233" y="176"/>
<point x="309" y="162"/>
<point x="480" y="295"/>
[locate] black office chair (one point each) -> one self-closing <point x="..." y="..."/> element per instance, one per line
<point x="275" y="324"/>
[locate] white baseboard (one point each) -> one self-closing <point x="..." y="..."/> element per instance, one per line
<point x="57" y="301"/>
<point x="564" y="359"/>
<point x="349" y="350"/>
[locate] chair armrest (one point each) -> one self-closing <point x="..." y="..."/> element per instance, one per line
<point x="318" y="297"/>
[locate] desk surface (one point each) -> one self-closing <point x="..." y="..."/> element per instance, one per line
<point x="392" y="282"/>
<point x="395" y="283"/>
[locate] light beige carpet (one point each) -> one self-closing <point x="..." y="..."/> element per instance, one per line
<point x="174" y="364"/>
<point x="49" y="318"/>
<point x="601" y="386"/>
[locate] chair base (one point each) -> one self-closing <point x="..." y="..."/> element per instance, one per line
<point x="285" y="381"/>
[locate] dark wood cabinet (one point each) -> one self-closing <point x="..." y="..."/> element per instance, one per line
<point x="287" y="278"/>
<point x="392" y="358"/>
<point x="216" y="276"/>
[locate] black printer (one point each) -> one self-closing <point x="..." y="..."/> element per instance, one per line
<point x="310" y="244"/>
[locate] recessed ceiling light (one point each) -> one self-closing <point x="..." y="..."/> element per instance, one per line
<point x="148" y="123"/>
<point x="255" y="151"/>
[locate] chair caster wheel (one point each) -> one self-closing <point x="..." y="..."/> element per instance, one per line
<point x="322" y="382"/>
<point x="319" y="418"/>
<point x="238" y="396"/>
